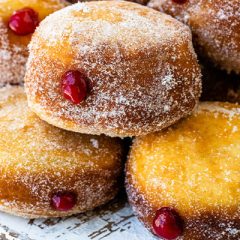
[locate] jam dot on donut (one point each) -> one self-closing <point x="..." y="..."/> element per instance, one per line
<point x="167" y="224"/>
<point x="180" y="1"/>
<point x="24" y="21"/>
<point x="74" y="86"/>
<point x="63" y="201"/>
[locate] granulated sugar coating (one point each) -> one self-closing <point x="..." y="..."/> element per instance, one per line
<point x="192" y="167"/>
<point x="142" y="69"/>
<point x="215" y="25"/>
<point x="13" y="48"/>
<point x="12" y="59"/>
<point x="39" y="160"/>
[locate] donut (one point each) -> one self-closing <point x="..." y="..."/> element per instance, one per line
<point x="215" y="26"/>
<point x="16" y="32"/>
<point x="50" y="172"/>
<point x="118" y="75"/>
<point x="143" y="2"/>
<point x="184" y="182"/>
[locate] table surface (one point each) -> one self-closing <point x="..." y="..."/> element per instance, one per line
<point x="114" y="221"/>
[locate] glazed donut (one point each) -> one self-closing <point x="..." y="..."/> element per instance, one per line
<point x="50" y="172"/>
<point x="119" y="73"/>
<point x="15" y="33"/>
<point x="215" y="26"/>
<point x="184" y="182"/>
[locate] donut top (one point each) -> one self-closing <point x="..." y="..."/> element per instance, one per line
<point x="12" y="46"/>
<point x="131" y="55"/>
<point x="84" y="27"/>
<point x="194" y="165"/>
<point x="30" y="148"/>
<point x="185" y="9"/>
<point x="216" y="21"/>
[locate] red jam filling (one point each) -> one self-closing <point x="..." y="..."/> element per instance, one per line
<point x="167" y="224"/>
<point x="24" y="21"/>
<point x="74" y="86"/>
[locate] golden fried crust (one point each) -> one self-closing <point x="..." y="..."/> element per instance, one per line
<point x="37" y="160"/>
<point x="141" y="65"/>
<point x="192" y="167"/>
<point x="215" y="25"/>
<point x="13" y="48"/>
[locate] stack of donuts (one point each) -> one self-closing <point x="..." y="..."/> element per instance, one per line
<point x="78" y="78"/>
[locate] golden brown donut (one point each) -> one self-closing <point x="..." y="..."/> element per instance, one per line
<point x="215" y="25"/>
<point x="49" y="172"/>
<point x="13" y="47"/>
<point x="185" y="181"/>
<point x="127" y="69"/>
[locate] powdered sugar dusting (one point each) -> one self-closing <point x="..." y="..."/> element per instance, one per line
<point x="139" y="83"/>
<point x="215" y="25"/>
<point x="40" y="160"/>
<point x="13" y="48"/>
<point x="13" y="58"/>
<point x="220" y="107"/>
<point x="82" y="7"/>
<point x="193" y="167"/>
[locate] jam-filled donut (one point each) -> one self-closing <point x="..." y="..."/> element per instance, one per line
<point x="125" y="69"/>
<point x="184" y="182"/>
<point x="18" y="20"/>
<point x="50" y="172"/>
<point x="215" y="25"/>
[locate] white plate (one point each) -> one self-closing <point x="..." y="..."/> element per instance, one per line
<point x="115" y="221"/>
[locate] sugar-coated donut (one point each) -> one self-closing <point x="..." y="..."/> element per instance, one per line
<point x="114" y="68"/>
<point x="49" y="172"/>
<point x="13" y="42"/>
<point x="215" y="25"/>
<point x="143" y="2"/>
<point x="184" y="182"/>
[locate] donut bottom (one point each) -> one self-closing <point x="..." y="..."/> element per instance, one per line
<point x="207" y="225"/>
<point x="33" y="199"/>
